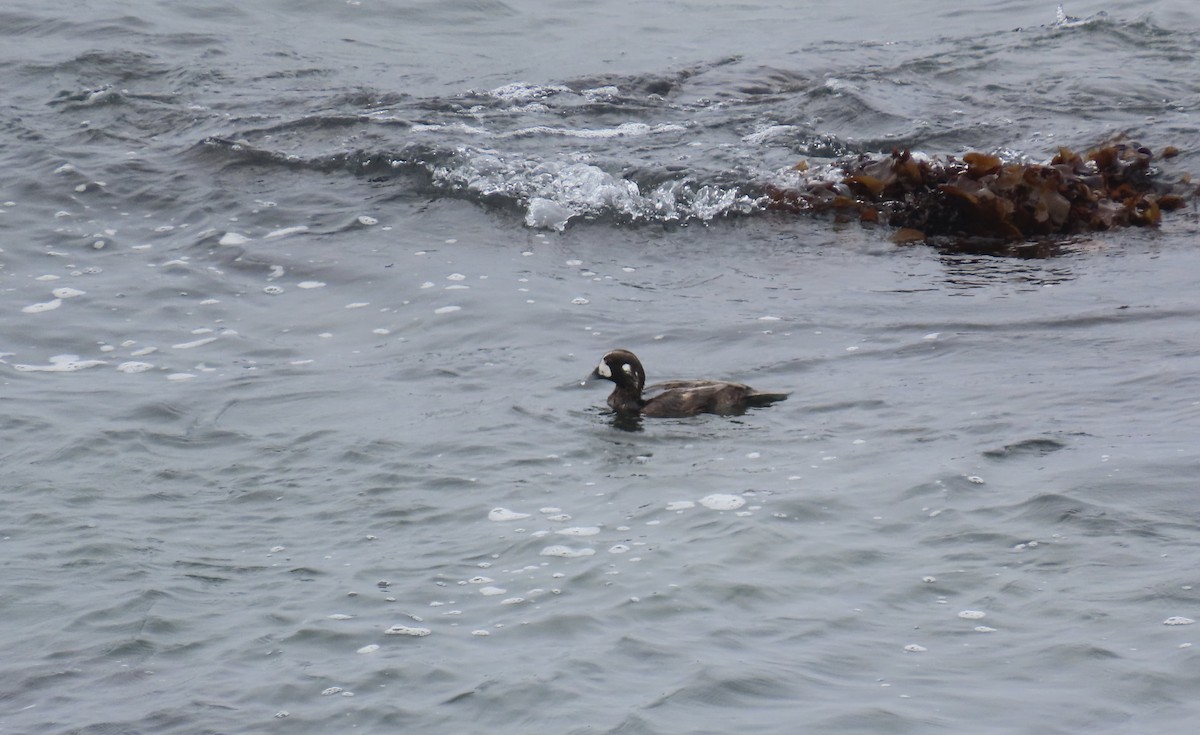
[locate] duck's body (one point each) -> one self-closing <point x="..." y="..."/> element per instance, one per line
<point x="674" y="398"/>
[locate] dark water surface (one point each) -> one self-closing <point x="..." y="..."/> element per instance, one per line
<point x="296" y="299"/>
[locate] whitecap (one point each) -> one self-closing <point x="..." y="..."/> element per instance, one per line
<point x="233" y="238"/>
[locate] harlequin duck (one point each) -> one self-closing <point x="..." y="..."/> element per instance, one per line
<point x="675" y="398"/>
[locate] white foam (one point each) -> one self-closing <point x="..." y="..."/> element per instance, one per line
<point x="44" y="306"/>
<point x="1178" y="620"/>
<point x="972" y="615"/>
<point x="680" y="505"/>
<point x="48" y="277"/>
<point x="233" y="238"/>
<point x="284" y="232"/>
<point x="566" y="552"/>
<point x="61" y="364"/>
<point x="447" y="309"/>
<point x="194" y="343"/>
<point x="310" y="284"/>
<point x="273" y="290"/>
<point x="370" y="648"/>
<point x="181" y="376"/>
<point x="134" y="367"/>
<point x="504" y="514"/>
<point x="719" y="501"/>
<point x="406" y="630"/>
<point x="490" y="591"/>
<point x="367" y="220"/>
<point x="915" y="648"/>
<point x="579" y="531"/>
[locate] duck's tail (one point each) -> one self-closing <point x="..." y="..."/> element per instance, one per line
<point x="765" y="399"/>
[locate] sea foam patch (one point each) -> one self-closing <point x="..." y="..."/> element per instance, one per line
<point x="61" y="364"/>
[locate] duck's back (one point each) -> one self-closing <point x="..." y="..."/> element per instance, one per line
<point x="679" y="398"/>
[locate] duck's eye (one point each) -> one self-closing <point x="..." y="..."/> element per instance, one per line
<point x="604" y="370"/>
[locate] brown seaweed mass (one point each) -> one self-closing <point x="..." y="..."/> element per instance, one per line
<point x="982" y="199"/>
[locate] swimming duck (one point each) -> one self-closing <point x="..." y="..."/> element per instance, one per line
<point x="674" y="398"/>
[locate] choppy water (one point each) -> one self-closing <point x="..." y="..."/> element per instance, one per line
<point x="296" y="298"/>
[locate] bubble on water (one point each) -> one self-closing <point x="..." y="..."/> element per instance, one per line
<point x="372" y="648"/>
<point x="456" y="277"/>
<point x="720" y="501"/>
<point x="504" y="514"/>
<point x="406" y="630"/>
<point x="66" y="292"/>
<point x="134" y="367"/>
<point x="929" y="579"/>
<point x="490" y="591"/>
<point x="194" y="343"/>
<point x="972" y="615"/>
<point x="447" y="309"/>
<point x="233" y="238"/>
<point x="976" y="479"/>
<point x="480" y="632"/>
<point x="680" y="505"/>
<point x="579" y="531"/>
<point x="284" y="232"/>
<point x="566" y="552"/>
<point x="273" y="290"/>
<point x="1178" y="620"/>
<point x="331" y="691"/>
<point x="310" y="284"/>
<point x="44" y="306"/>
<point x="61" y="364"/>
<point x="580" y="301"/>
<point x="367" y="220"/>
<point x="914" y="648"/>
<point x="618" y="549"/>
<point x="428" y="284"/>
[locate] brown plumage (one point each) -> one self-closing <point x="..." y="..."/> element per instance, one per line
<point x="674" y="398"/>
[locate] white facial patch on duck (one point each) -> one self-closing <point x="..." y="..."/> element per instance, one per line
<point x="603" y="370"/>
<point x="627" y="368"/>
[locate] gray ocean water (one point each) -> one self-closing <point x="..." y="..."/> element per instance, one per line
<point x="296" y="298"/>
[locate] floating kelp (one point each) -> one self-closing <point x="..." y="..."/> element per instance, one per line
<point x="981" y="203"/>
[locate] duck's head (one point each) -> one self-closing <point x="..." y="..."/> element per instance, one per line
<point x="623" y="368"/>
